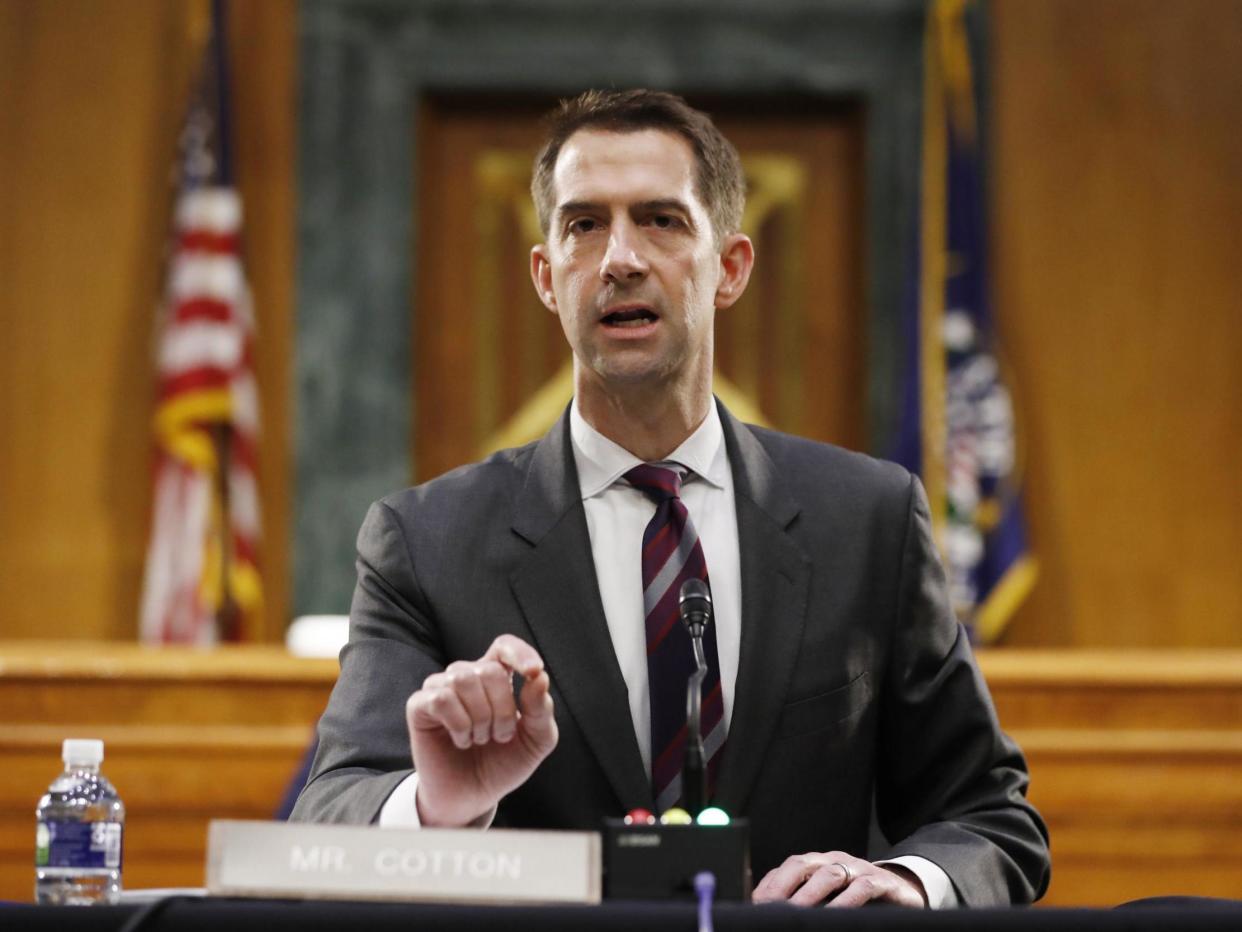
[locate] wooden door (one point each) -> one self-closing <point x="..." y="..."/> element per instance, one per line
<point x="491" y="367"/>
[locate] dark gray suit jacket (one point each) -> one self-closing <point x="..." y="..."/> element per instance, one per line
<point x="855" y="684"/>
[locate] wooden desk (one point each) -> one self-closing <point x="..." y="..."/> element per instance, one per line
<point x="188" y="736"/>
<point x="1135" y="756"/>
<point x="1136" y="764"/>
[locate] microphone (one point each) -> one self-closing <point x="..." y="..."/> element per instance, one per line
<point x="695" y="606"/>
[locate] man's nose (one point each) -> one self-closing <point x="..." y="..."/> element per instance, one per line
<point x="623" y="260"/>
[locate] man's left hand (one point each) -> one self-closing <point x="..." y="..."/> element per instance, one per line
<point x="841" y="879"/>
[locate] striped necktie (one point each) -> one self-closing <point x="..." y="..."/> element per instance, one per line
<point x="671" y="555"/>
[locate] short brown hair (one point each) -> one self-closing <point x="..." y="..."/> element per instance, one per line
<point x="721" y="184"/>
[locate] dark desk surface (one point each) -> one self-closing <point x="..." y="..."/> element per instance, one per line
<point x="211" y="915"/>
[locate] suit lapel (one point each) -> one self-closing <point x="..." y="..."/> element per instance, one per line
<point x="555" y="587"/>
<point x="775" y="583"/>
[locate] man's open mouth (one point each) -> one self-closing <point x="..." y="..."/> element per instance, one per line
<point x="629" y="317"/>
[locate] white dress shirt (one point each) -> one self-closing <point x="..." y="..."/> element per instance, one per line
<point x="616" y="515"/>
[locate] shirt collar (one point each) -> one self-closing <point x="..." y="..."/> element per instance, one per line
<point x="601" y="462"/>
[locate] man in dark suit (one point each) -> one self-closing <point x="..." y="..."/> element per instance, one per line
<point x="843" y="681"/>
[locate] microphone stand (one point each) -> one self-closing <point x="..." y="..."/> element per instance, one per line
<point x="694" y="604"/>
<point x="694" y="774"/>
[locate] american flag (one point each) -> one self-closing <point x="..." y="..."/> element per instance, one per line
<point x="202" y="581"/>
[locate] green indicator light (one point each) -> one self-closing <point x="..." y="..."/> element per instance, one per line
<point x="713" y="816"/>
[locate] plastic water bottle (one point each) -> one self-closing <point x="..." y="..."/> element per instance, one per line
<point x="79" y="823"/>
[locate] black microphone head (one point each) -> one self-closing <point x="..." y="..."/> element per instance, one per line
<point x="695" y="604"/>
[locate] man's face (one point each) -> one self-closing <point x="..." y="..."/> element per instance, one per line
<point x="631" y="266"/>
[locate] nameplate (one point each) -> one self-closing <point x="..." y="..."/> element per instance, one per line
<point x="299" y="860"/>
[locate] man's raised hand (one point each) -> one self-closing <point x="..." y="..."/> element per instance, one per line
<point x="471" y="743"/>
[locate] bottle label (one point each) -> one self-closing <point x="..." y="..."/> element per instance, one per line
<point x="78" y="844"/>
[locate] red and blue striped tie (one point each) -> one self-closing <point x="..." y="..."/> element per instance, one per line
<point x="671" y="555"/>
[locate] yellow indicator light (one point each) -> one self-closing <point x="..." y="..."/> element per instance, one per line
<point x="676" y="816"/>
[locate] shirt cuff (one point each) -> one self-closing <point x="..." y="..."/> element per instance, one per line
<point x="401" y="811"/>
<point x="936" y="883"/>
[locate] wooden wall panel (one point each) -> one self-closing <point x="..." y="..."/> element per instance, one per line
<point x="94" y="94"/>
<point x="1117" y="193"/>
<point x="796" y="341"/>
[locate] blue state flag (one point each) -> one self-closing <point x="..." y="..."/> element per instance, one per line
<point x="957" y="428"/>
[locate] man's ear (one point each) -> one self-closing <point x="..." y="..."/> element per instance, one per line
<point x="541" y="275"/>
<point x="737" y="258"/>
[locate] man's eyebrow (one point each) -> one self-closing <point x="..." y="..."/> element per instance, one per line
<point x="664" y="203"/>
<point x="577" y="207"/>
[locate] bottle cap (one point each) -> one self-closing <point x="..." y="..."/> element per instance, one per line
<point x="87" y="751"/>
